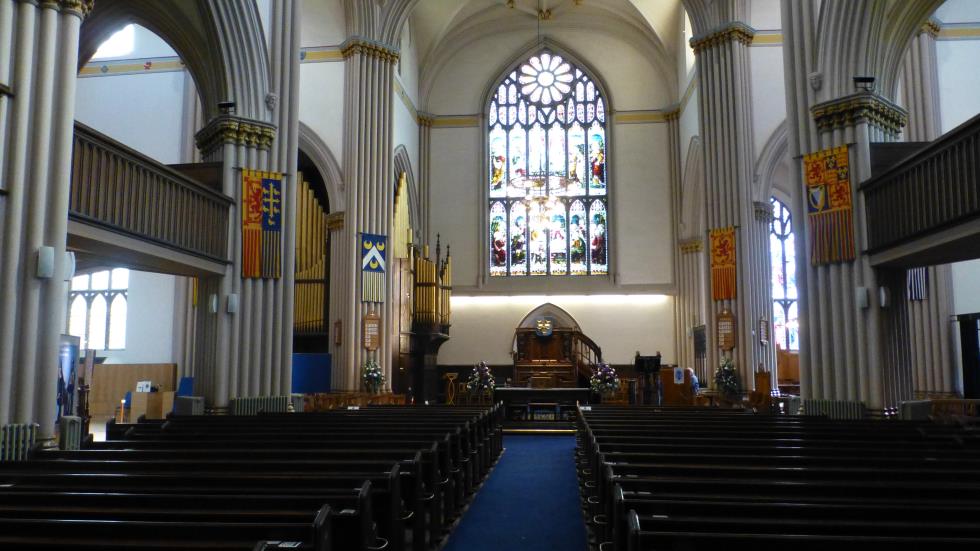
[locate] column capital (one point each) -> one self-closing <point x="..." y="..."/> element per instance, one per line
<point x="734" y="31"/>
<point x="236" y="130"/>
<point x="763" y="211"/>
<point x="335" y="221"/>
<point x="931" y="27"/>
<point x="361" y="46"/>
<point x="689" y="246"/>
<point x="81" y="8"/>
<point x="425" y="119"/>
<point x="860" y="107"/>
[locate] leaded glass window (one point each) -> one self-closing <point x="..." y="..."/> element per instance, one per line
<point x="97" y="309"/>
<point x="546" y="128"/>
<point x="782" y="247"/>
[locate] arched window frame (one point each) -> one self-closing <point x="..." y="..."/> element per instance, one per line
<point x="608" y="199"/>
<point x="781" y="229"/>
<point x="117" y="286"/>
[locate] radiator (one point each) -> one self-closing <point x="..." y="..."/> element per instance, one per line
<point x="70" y="433"/>
<point x="258" y="404"/>
<point x="834" y="409"/>
<point x="16" y="441"/>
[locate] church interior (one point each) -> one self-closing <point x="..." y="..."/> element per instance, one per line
<point x="603" y="275"/>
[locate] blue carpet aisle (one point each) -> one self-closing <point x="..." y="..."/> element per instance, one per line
<point x="530" y="502"/>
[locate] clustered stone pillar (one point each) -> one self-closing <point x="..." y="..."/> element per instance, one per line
<point x="425" y="171"/>
<point x="726" y="131"/>
<point x="689" y="309"/>
<point x="850" y="347"/>
<point x="931" y="337"/>
<point x="38" y="64"/>
<point x="340" y="289"/>
<point x="368" y="170"/>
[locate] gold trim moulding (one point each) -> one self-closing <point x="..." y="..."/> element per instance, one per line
<point x="861" y="107"/>
<point x="80" y="8"/>
<point x="335" y="221"/>
<point x="235" y="130"/>
<point x="355" y="46"/>
<point x="691" y="246"/>
<point x="735" y="31"/>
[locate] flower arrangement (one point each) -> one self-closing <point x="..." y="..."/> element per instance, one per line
<point x="726" y="378"/>
<point x="372" y="376"/>
<point x="481" y="380"/>
<point x="604" y="379"/>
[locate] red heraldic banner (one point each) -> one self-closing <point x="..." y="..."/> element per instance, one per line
<point x="261" y="224"/>
<point x="828" y="197"/>
<point x="723" y="264"/>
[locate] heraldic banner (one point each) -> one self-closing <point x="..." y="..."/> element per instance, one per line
<point x="373" y="267"/>
<point x="261" y="224"/>
<point x="723" y="264"/>
<point x="828" y="198"/>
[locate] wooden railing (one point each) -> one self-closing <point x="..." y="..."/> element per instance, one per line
<point x="936" y="188"/>
<point x="122" y="190"/>
<point x="586" y="354"/>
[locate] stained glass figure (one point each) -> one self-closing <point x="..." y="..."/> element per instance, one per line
<point x="546" y="159"/>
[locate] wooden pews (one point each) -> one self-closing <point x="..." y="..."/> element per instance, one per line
<point x="367" y="479"/>
<point x="689" y="478"/>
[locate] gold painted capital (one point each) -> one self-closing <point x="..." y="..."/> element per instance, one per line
<point x="425" y="119"/>
<point x="861" y="107"/>
<point x="689" y="246"/>
<point x="360" y="46"/>
<point x="931" y="27"/>
<point x="225" y="129"/>
<point x="335" y="221"/>
<point x="80" y="8"/>
<point x="732" y="32"/>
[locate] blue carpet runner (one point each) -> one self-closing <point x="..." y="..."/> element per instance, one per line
<point x="530" y="502"/>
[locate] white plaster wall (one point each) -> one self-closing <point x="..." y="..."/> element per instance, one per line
<point x="321" y="103"/>
<point x="406" y="128"/>
<point x="764" y="15"/>
<point x="688" y="125"/>
<point x="958" y="82"/>
<point x="640" y="196"/>
<point x="323" y="23"/>
<point x="457" y="201"/>
<point x="483" y="327"/>
<point x="768" y="92"/>
<point x="632" y="81"/>
<point x="145" y="44"/>
<point x="959" y="11"/>
<point x="142" y="110"/>
<point x="149" y="332"/>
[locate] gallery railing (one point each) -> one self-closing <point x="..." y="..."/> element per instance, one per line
<point x="117" y="188"/>
<point x="933" y="189"/>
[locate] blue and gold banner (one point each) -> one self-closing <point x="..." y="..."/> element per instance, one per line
<point x="373" y="267"/>
<point x="261" y="224"/>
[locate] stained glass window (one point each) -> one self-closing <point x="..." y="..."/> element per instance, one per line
<point x="546" y="137"/>
<point x="97" y="309"/>
<point x="782" y="248"/>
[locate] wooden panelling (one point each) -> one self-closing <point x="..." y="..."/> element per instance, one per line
<point x="110" y="382"/>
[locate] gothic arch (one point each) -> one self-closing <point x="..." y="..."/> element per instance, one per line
<point x="692" y="192"/>
<point x="403" y="163"/>
<point x="771" y="168"/>
<point x="222" y="44"/>
<point x="562" y="318"/>
<point x="314" y="147"/>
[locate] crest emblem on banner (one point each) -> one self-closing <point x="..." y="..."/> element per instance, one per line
<point x="829" y="205"/>
<point x="261" y="224"/>
<point x="723" y="272"/>
<point x="373" y="267"/>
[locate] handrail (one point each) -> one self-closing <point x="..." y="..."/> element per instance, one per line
<point x="124" y="191"/>
<point x="933" y="189"/>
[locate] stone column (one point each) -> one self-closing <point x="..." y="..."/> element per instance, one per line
<point x="932" y="339"/>
<point x="689" y="311"/>
<point x="726" y="131"/>
<point x="848" y="351"/>
<point x="425" y="172"/>
<point x="340" y="286"/>
<point x="40" y="40"/>
<point x="368" y="170"/>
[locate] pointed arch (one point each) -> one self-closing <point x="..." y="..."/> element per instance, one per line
<point x="403" y="164"/>
<point x="692" y="192"/>
<point x="318" y="152"/>
<point x="771" y="169"/>
<point x="562" y="319"/>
